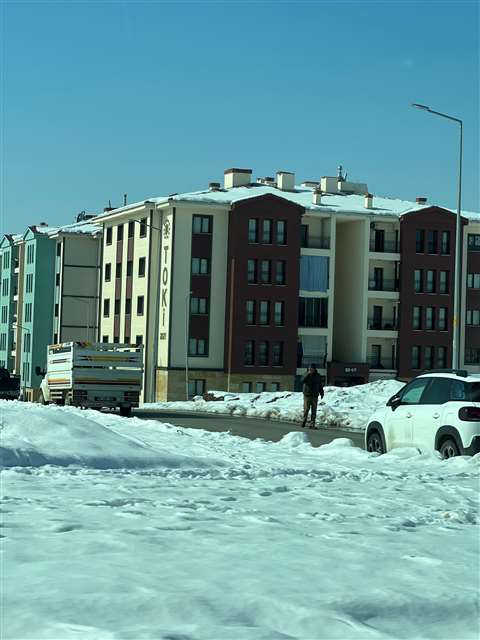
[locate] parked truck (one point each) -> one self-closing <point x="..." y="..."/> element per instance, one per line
<point x="93" y="375"/>
<point x="9" y="385"/>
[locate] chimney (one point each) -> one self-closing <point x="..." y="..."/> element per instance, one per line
<point x="368" y="201"/>
<point x="286" y="180"/>
<point x="214" y="186"/>
<point x="317" y="196"/>
<point x="421" y="200"/>
<point x="237" y="178"/>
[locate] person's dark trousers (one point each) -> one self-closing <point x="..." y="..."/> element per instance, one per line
<point x="309" y="404"/>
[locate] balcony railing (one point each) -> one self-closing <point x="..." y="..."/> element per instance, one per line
<point x="382" y="363"/>
<point x="388" y="243"/>
<point x="382" y="325"/>
<point x="315" y="242"/>
<point x="383" y="285"/>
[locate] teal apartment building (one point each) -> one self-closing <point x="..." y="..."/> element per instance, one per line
<point x="9" y="299"/>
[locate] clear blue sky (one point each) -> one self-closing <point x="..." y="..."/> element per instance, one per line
<point x="150" y="98"/>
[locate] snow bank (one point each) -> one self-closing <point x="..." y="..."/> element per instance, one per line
<point x="33" y="436"/>
<point x="342" y="407"/>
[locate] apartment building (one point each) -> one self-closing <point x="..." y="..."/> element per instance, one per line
<point x="9" y="299"/>
<point x="244" y="284"/>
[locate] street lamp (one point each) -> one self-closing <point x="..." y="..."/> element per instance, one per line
<point x="17" y="326"/>
<point x="458" y="252"/>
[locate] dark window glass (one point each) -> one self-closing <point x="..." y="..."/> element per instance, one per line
<point x="264" y="316"/>
<point x="106" y="308"/>
<point x="281" y="232"/>
<point x="250" y="311"/>
<point x="280" y="273"/>
<point x="428" y="358"/>
<point x="128" y="307"/>
<point x="141" y="267"/>
<point x="131" y="229"/>
<point x="443" y="282"/>
<point x="139" y="340"/>
<point x="417" y="318"/>
<point x="304" y="235"/>
<point x="253" y="230"/>
<point x="200" y="266"/>
<point x="130" y="268"/>
<point x="108" y="272"/>
<point x="56" y="310"/>
<point x="441" y="357"/>
<point x="430" y="318"/>
<point x="265" y="276"/>
<point x="415" y="357"/>
<point x="420" y="241"/>
<point x="57" y="279"/>
<point x="117" y="307"/>
<point x="109" y="235"/>
<point x="277" y="354"/>
<point x="445" y="243"/>
<point x="313" y="312"/>
<point x="418" y="280"/>
<point x="120" y="232"/>
<point x="249" y="352"/>
<point x="59" y="250"/>
<point x="263" y="353"/>
<point x="140" y="305"/>
<point x="104" y="338"/>
<point x="432" y="242"/>
<point x="412" y="393"/>
<point x="143" y="227"/>
<point x="431" y="277"/>
<point x="474" y="242"/>
<point x="198" y="347"/>
<point x="118" y="270"/>
<point x="198" y="306"/>
<point x="279" y="314"/>
<point x="267" y="232"/>
<point x="442" y="319"/>
<point x="252" y="271"/>
<point x="202" y="224"/>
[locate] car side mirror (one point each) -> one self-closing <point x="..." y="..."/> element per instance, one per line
<point x="394" y="402"/>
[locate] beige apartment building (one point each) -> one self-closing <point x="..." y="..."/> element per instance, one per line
<point x="244" y="284"/>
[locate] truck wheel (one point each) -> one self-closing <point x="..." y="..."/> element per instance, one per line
<point x="126" y="412"/>
<point x="41" y="399"/>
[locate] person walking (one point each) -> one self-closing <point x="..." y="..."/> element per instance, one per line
<point x="312" y="388"/>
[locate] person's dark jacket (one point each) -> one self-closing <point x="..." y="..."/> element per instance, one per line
<point x="312" y="384"/>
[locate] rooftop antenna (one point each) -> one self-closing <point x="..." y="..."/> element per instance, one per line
<point x="124" y="199"/>
<point x="109" y="204"/>
<point x="340" y="176"/>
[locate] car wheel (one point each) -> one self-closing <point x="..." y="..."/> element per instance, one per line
<point x="449" y="449"/>
<point x="375" y="443"/>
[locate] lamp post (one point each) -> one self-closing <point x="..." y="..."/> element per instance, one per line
<point x="17" y="326"/>
<point x="458" y="240"/>
<point x="187" y="323"/>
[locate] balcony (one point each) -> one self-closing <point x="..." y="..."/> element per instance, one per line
<point x="383" y="285"/>
<point x="315" y="242"/>
<point x="384" y="243"/>
<point x="306" y="360"/>
<point x="375" y="324"/>
<point x="382" y="364"/>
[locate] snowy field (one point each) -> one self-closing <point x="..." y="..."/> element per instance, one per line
<point x="116" y="528"/>
<point x="346" y="408"/>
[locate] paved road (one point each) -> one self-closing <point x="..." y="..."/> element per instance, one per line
<point x="247" y="427"/>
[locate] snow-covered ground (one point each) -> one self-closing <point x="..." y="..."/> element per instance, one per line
<point x="128" y="529"/>
<point x="344" y="407"/>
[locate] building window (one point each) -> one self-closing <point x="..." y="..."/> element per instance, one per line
<point x="420" y="241"/>
<point x="263" y="353"/>
<point x="252" y="271"/>
<point x="443" y="284"/>
<point x="120" y="233"/>
<point x="428" y="358"/>
<point x="128" y="308"/>
<point x="281" y="232"/>
<point x="250" y="308"/>
<point x="116" y="339"/>
<point x="106" y="308"/>
<point x="130" y="268"/>
<point x="431" y="281"/>
<point x="4" y="314"/>
<point x="473" y="280"/>
<point x="265" y="271"/>
<point x="57" y="279"/>
<point x="430" y="318"/>
<point x="253" y="230"/>
<point x="140" y="305"/>
<point x="417" y="318"/>
<point x="441" y="357"/>
<point x="108" y="272"/>
<point x="28" y="312"/>
<point x="59" y="249"/>
<point x="474" y="242"/>
<point x="246" y="387"/>
<point x="118" y="270"/>
<point x="104" y="338"/>
<point x="473" y="317"/>
<point x="56" y="310"/>
<point x="445" y="243"/>
<point x="416" y="357"/>
<point x="138" y="341"/>
<point x="197" y="347"/>
<point x="432" y="242"/>
<point x="260" y="387"/>
<point x="267" y="231"/>
<point x="196" y="388"/>
<point x="313" y="312"/>
<point x="442" y="319"/>
<point x="277" y="354"/>
<point x="131" y="229"/>
<point x="264" y="316"/>
<point x="202" y="224"/>
<point x="143" y="228"/>
<point x="472" y="356"/>
<point x="198" y="306"/>
<point x="274" y="386"/>
<point x="29" y="283"/>
<point x="280" y="272"/>
<point x="117" y="307"/>
<point x="279" y="314"/>
<point x="108" y="238"/>
<point x="249" y="352"/>
<point x="200" y="266"/>
<point x="141" y="267"/>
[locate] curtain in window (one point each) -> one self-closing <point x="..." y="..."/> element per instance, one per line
<point x="314" y="273"/>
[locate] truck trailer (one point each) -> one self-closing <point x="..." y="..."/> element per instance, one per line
<point x="93" y="375"/>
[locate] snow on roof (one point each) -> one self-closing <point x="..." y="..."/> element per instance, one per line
<point x="90" y="228"/>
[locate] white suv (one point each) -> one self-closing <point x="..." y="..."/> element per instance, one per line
<point x="434" y="411"/>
